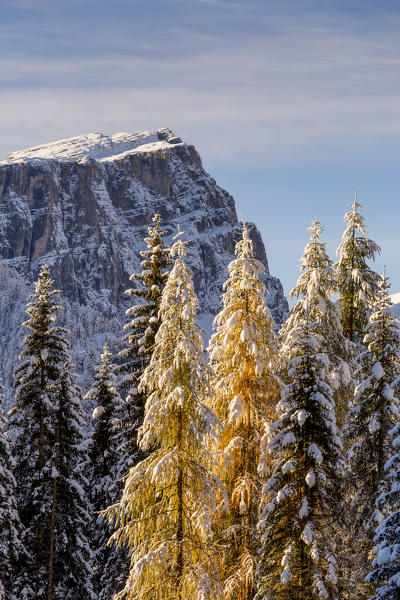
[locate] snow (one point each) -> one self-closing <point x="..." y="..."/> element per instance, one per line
<point x="395" y="298"/>
<point x="98" y="412"/>
<point x="236" y="407"/>
<point x="301" y="416"/>
<point x="377" y="370"/>
<point x="315" y="452"/>
<point x="304" y="508"/>
<point x="94" y="145"/>
<point x="308" y="533"/>
<point x="310" y="478"/>
<point x="286" y="575"/>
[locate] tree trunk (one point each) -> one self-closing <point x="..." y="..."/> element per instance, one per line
<point x="179" y="532"/>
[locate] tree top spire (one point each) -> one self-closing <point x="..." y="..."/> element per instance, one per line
<point x="315" y="229"/>
<point x="179" y="248"/>
<point x="244" y="248"/>
<point x="355" y="205"/>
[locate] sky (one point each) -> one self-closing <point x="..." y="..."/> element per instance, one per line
<point x="292" y="104"/>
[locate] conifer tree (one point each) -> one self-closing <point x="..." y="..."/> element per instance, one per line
<point x="244" y="357"/>
<point x="386" y="562"/>
<point x="300" y="509"/>
<point x="168" y="499"/>
<point x="110" y="563"/>
<point x="357" y="284"/>
<point x="373" y="413"/>
<point x="314" y="289"/>
<point x="11" y="548"/>
<point x="141" y="331"/>
<point x="49" y="453"/>
<point x="72" y="553"/>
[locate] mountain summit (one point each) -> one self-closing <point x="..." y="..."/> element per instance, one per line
<point x="99" y="146"/>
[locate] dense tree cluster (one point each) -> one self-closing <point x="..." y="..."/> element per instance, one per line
<point x="266" y="468"/>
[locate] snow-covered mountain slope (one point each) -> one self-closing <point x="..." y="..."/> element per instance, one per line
<point x="396" y="304"/>
<point x="98" y="146"/>
<point x="83" y="205"/>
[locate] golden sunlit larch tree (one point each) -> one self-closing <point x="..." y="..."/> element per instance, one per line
<point x="168" y="501"/>
<point x="244" y="358"/>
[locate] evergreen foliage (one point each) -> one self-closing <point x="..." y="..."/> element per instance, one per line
<point x="141" y="331"/>
<point x="110" y="563"/>
<point x="48" y="452"/>
<point x="169" y="497"/>
<point x="300" y="512"/>
<point x="373" y="413"/>
<point x="11" y="548"/>
<point x="357" y="284"/>
<point x="244" y="358"/>
<point x="314" y="289"/>
<point x="386" y="564"/>
<point x="73" y="558"/>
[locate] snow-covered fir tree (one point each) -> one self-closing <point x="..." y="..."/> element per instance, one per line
<point x="168" y="501"/>
<point x="314" y="290"/>
<point x="386" y="562"/>
<point x="244" y="357"/>
<point x="70" y="516"/>
<point x="299" y="504"/>
<point x="141" y="330"/>
<point x="11" y="548"/>
<point x="357" y="284"/>
<point x="48" y="455"/>
<point x="373" y="413"/>
<point x="110" y="563"/>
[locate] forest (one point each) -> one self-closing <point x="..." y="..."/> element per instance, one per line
<point x="263" y="467"/>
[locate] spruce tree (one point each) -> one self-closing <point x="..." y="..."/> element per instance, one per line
<point x="370" y="418"/>
<point x="244" y="357"/>
<point x="11" y="548"/>
<point x="141" y="330"/>
<point x="72" y="553"/>
<point x="110" y="563"/>
<point x="356" y="282"/>
<point x="314" y="290"/>
<point x="300" y="510"/>
<point x="49" y="457"/>
<point x="386" y="562"/>
<point x="165" y="512"/>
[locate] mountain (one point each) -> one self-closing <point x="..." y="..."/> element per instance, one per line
<point x="395" y="298"/>
<point x="83" y="205"/>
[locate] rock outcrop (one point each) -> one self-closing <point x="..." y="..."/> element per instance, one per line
<point x="83" y="205"/>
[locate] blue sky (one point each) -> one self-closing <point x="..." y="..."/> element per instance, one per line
<point x="291" y="104"/>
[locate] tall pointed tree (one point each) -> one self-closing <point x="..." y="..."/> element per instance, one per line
<point x="300" y="509"/>
<point x="110" y="563"/>
<point x="356" y="282"/>
<point x="165" y="512"/>
<point x="50" y="493"/>
<point x="244" y="357"/>
<point x="314" y="290"/>
<point x="374" y="411"/>
<point x="386" y="562"/>
<point x="141" y="331"/>
<point x="11" y="548"/>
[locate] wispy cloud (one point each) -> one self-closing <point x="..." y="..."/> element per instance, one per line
<point x="240" y="78"/>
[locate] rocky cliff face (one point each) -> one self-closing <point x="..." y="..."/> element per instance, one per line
<point x="83" y="205"/>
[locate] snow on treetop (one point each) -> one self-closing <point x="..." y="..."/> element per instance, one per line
<point x="99" y="146"/>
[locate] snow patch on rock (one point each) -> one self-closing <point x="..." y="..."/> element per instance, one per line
<point x="98" y="146"/>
